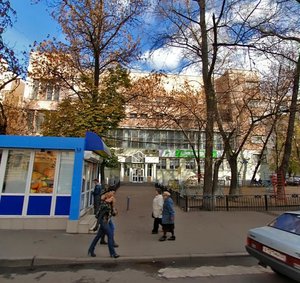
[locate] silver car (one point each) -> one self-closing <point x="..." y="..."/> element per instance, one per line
<point x="277" y="245"/>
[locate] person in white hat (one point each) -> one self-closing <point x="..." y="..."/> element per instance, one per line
<point x="157" y="206"/>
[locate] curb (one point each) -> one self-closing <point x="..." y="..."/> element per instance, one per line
<point x="38" y="261"/>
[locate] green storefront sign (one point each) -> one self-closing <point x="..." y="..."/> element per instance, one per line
<point x="188" y="153"/>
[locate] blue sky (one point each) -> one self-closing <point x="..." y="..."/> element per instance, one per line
<point x="32" y="23"/>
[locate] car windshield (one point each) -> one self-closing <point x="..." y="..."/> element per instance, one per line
<point x="289" y="222"/>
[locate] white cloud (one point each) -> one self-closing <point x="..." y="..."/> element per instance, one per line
<point x="167" y="58"/>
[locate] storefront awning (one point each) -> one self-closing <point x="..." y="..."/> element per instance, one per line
<point x="94" y="143"/>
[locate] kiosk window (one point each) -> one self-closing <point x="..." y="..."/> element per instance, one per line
<point x="65" y="173"/>
<point x="16" y="172"/>
<point x="43" y="172"/>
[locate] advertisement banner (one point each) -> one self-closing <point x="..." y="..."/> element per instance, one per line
<point x="184" y="153"/>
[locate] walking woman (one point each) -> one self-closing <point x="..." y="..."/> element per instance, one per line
<point x="168" y="217"/>
<point x="106" y="211"/>
<point x="157" y="206"/>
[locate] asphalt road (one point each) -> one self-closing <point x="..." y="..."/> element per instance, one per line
<point x="213" y="270"/>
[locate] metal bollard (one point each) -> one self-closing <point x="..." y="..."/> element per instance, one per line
<point x="128" y="202"/>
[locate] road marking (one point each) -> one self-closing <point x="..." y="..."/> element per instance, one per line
<point x="206" y="271"/>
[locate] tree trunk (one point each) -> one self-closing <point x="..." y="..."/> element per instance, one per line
<point x="290" y="131"/>
<point x="210" y="102"/>
<point x="198" y="170"/>
<point x="209" y="134"/>
<point x="262" y="152"/>
<point x="234" y="175"/>
<point x="216" y="175"/>
<point x="3" y="120"/>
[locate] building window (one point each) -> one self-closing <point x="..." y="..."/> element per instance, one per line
<point x="42" y="91"/>
<point x="190" y="164"/>
<point x="163" y="139"/>
<point x="134" y="139"/>
<point x="174" y="163"/>
<point x="162" y="163"/>
<point x="254" y="103"/>
<point x="52" y="92"/>
<point x="132" y="115"/>
<point x="144" y="116"/>
<point x="218" y="142"/>
<point x="35" y="90"/>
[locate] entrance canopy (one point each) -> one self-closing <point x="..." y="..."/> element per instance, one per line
<point x="94" y="143"/>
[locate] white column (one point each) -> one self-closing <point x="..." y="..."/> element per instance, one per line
<point x="122" y="172"/>
<point x="146" y="172"/>
<point x="154" y="172"/>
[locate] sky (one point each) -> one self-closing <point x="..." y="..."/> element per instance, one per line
<point x="32" y="23"/>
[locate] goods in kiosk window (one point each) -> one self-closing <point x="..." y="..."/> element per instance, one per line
<point x="42" y="182"/>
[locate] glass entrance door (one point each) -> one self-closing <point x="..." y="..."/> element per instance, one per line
<point x="137" y="175"/>
<point x="89" y="174"/>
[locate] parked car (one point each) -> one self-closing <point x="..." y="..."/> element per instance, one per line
<point x="293" y="181"/>
<point x="277" y="245"/>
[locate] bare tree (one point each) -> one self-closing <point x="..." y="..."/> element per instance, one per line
<point x="10" y="67"/>
<point x="275" y="88"/>
<point x="193" y="27"/>
<point x="272" y="32"/>
<point x="242" y="109"/>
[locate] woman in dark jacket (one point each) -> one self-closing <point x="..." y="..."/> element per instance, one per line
<point x="104" y="215"/>
<point x="168" y="217"/>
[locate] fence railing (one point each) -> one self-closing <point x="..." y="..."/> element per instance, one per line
<point x="236" y="202"/>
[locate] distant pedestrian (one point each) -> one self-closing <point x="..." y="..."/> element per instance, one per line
<point x="105" y="212"/>
<point x="96" y="195"/>
<point x="168" y="217"/>
<point x="157" y="207"/>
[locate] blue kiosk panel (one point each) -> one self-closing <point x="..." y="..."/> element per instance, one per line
<point x="11" y="205"/>
<point x="39" y="205"/>
<point x="62" y="205"/>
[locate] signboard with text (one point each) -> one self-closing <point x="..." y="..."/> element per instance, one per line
<point x="184" y="153"/>
<point x="151" y="159"/>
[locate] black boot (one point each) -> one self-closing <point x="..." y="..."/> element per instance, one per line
<point x="91" y="253"/>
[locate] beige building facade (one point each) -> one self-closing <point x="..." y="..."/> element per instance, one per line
<point x="149" y="148"/>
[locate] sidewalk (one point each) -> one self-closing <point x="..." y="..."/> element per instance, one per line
<point x="198" y="234"/>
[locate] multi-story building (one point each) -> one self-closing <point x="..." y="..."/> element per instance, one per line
<point x="159" y="152"/>
<point x="149" y="144"/>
